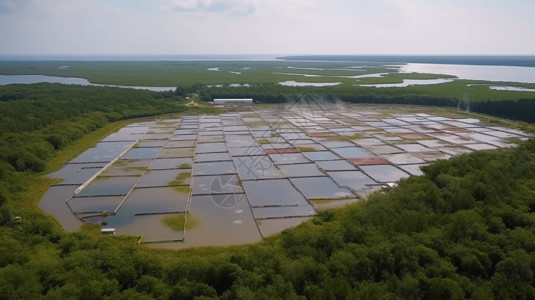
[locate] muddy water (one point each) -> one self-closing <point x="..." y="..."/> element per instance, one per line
<point x="272" y="226"/>
<point x="152" y="229"/>
<point x="149" y="201"/>
<point x="215" y="224"/>
<point x="95" y="204"/>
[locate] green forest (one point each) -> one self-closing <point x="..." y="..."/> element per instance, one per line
<point x="465" y="229"/>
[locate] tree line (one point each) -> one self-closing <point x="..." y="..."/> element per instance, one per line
<point x="522" y="110"/>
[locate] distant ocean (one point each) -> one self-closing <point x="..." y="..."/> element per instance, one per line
<point x="492" y="60"/>
<point x="488" y="60"/>
<point x="132" y="57"/>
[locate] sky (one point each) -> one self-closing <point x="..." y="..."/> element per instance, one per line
<point x="281" y="27"/>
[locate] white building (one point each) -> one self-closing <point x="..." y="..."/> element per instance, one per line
<point x="233" y="101"/>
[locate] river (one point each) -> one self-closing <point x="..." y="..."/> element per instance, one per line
<point x="29" y="79"/>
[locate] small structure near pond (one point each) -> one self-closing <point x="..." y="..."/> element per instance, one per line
<point x="244" y="101"/>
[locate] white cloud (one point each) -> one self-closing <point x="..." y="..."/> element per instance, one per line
<point x="266" y="26"/>
<point x="240" y="7"/>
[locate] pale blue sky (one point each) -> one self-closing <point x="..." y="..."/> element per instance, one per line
<point x="267" y="26"/>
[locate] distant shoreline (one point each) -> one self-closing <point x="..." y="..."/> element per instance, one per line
<point x="490" y="60"/>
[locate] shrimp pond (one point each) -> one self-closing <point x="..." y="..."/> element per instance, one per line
<point x="237" y="177"/>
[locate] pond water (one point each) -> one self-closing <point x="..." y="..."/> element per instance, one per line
<point x="256" y="167"/>
<point x="272" y="226"/>
<point x="176" y="153"/>
<point x="288" y="158"/>
<point x="320" y="188"/>
<point x="301" y="210"/>
<point x="127" y="167"/>
<point x="220" y="184"/>
<point x="404" y="158"/>
<point x="151" y="227"/>
<point x="103" y="152"/>
<point x="95" y="204"/>
<point x="171" y="163"/>
<point x="171" y="177"/>
<point x="110" y="186"/>
<point x="413" y="169"/>
<point x="149" y="201"/>
<point x="301" y="170"/>
<point x="244" y="191"/>
<point x="349" y="152"/>
<point x="76" y="174"/>
<point x="211" y="147"/>
<point x="354" y="180"/>
<point x="219" y="156"/>
<point x="335" y="165"/>
<point x="384" y="173"/>
<point x="213" y="168"/>
<point x="320" y="155"/>
<point x="217" y="224"/>
<point x="271" y="193"/>
<point x="142" y="153"/>
<point x="54" y="203"/>
<point x="246" y="151"/>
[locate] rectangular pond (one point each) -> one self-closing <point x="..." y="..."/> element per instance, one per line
<point x="256" y="167"/>
<point x="320" y="188"/>
<point x="253" y="172"/>
<point x="277" y="192"/>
